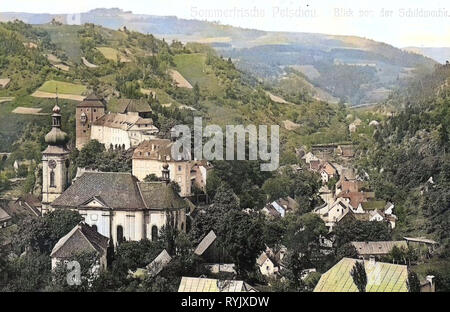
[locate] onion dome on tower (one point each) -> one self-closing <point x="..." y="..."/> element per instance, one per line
<point x="56" y="136"/>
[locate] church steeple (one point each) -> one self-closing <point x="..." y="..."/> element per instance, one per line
<point x="55" y="162"/>
<point x="56" y="137"/>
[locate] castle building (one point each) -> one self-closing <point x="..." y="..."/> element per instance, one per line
<point x="55" y="162"/>
<point x="122" y="130"/>
<point x="128" y="126"/>
<point x="87" y="112"/>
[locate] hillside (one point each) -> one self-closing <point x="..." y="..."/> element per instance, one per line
<point x="132" y="65"/>
<point x="408" y="160"/>
<point x="352" y="69"/>
<point x="440" y="55"/>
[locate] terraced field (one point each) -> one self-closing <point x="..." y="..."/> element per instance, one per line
<point x="52" y="86"/>
<point x="194" y="69"/>
<point x="109" y="53"/>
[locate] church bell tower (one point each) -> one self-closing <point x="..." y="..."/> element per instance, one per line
<point x="55" y="162"/>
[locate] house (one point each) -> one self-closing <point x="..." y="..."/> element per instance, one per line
<point x="308" y="157"/>
<point x="270" y="211"/>
<point x="389" y="208"/>
<point x="314" y="165"/>
<point x="266" y="265"/>
<point x="81" y="239"/>
<point x="366" y="250"/>
<point x="151" y="155"/>
<point x="199" y="174"/>
<point x="31" y="202"/>
<point x="24" y="206"/>
<point x="270" y="261"/>
<point x="280" y="207"/>
<point x="327" y="172"/>
<point x="155" y="267"/>
<point x="326" y="194"/>
<point x="124" y="131"/>
<point x="121" y="207"/>
<point x="5" y="219"/>
<point x="345" y="151"/>
<point x="357" y="199"/>
<point x="199" y="284"/>
<point x="331" y="214"/>
<point x="381" y="277"/>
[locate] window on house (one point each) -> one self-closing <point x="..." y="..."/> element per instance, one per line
<point x="52" y="179"/>
<point x="119" y="234"/>
<point x="154" y="233"/>
<point x="179" y="168"/>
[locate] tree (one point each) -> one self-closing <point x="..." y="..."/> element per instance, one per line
<point x="359" y="276"/>
<point x="29" y="272"/>
<point x="41" y="234"/>
<point x="302" y="240"/>
<point x="151" y="178"/>
<point x="225" y="198"/>
<point x="240" y="235"/>
<point x="363" y="231"/>
<point x="413" y="282"/>
<point x="346" y="251"/>
<point x="88" y="274"/>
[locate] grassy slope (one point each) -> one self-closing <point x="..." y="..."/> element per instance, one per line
<point x="63" y="87"/>
<point x="109" y="53"/>
<point x="194" y="69"/>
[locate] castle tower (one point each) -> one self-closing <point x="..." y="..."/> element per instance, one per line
<point x="88" y="111"/>
<point x="55" y="162"/>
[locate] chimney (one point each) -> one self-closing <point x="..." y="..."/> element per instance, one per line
<point x="372" y="260"/>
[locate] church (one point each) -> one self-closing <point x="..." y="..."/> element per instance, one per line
<point x="117" y="205"/>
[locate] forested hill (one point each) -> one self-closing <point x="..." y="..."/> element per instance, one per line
<point x="352" y="69"/>
<point x="409" y="161"/>
<point x="179" y="80"/>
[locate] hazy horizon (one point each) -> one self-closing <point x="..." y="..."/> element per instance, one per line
<point x="402" y="24"/>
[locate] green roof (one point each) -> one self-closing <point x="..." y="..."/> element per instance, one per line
<point x="381" y="277"/>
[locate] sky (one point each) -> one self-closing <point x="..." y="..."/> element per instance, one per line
<point x="402" y="23"/>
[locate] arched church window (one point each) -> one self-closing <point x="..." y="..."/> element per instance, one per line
<point x="52" y="179"/>
<point x="119" y="234"/>
<point x="154" y="233"/>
